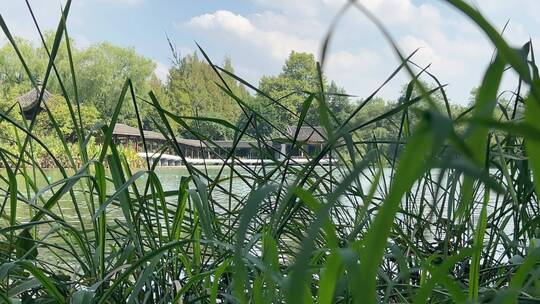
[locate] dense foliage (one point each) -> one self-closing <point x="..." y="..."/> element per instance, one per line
<point x="192" y="87"/>
<point x="427" y="202"/>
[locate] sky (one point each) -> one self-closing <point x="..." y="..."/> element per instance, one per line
<point x="258" y="35"/>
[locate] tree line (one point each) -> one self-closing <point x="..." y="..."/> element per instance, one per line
<point x="190" y="90"/>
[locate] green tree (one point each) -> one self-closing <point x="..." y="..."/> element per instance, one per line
<point x="298" y="78"/>
<point x="57" y="105"/>
<point x="101" y="71"/>
<point x="12" y="72"/>
<point x="373" y="108"/>
<point x="103" y="68"/>
<point x="267" y="120"/>
<point x="193" y="91"/>
<point x="338" y="103"/>
<point x="160" y="91"/>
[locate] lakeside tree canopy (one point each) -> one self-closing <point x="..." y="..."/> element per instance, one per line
<point x="191" y="89"/>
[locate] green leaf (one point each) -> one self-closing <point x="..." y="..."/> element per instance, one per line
<point x="109" y="130"/>
<point x="300" y="275"/>
<point x="478" y="145"/>
<point x="329" y="276"/>
<point x="26" y="246"/>
<point x="413" y="163"/>
<point x="49" y="286"/>
<point x="250" y="210"/>
<point x="532" y="112"/>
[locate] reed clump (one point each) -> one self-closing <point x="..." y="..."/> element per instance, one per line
<point x="445" y="211"/>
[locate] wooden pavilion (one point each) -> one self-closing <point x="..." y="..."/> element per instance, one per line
<point x="29" y="101"/>
<point x="309" y="138"/>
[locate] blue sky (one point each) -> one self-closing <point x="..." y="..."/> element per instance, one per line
<point x="259" y="34"/>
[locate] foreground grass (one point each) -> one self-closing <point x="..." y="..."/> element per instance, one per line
<point x="434" y="215"/>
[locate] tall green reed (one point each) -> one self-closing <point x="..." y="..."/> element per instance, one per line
<point x="434" y="214"/>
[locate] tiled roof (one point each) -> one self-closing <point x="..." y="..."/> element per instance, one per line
<point x="308" y="133"/>
<point x="125" y="130"/>
<point x="29" y="100"/>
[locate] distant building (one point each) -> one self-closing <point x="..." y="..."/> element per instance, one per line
<point x="311" y="139"/>
<point x="191" y="148"/>
<point x="29" y="101"/>
<point x="129" y="136"/>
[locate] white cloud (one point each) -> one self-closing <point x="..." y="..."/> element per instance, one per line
<point x="354" y="69"/>
<point x="303" y="8"/>
<point x="81" y="42"/>
<point x="359" y="59"/>
<point x="161" y="71"/>
<point x="364" y="59"/>
<point x="277" y="44"/>
<point x="307" y="28"/>
<point x="225" y="20"/>
<point x="275" y="33"/>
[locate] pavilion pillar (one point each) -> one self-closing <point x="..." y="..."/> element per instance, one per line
<point x="283" y="151"/>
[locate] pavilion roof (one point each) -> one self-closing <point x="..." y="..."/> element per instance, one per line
<point x="306" y="134"/>
<point x="29" y="100"/>
<point x="125" y="130"/>
<point x="309" y="134"/>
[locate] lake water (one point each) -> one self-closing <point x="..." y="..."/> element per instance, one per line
<point x="170" y="178"/>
